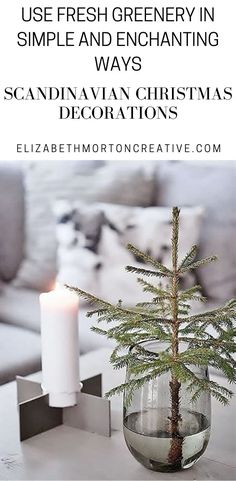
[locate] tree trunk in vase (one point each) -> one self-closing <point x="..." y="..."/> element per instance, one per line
<point x="176" y="452"/>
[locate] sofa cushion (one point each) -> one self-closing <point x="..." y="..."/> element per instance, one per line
<point x="212" y="185"/>
<point x="92" y="250"/>
<point x="19" y="352"/>
<point x="11" y="220"/>
<point x="88" y="181"/>
<point x="20" y="307"/>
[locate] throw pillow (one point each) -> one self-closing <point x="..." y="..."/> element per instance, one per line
<point x="101" y="233"/>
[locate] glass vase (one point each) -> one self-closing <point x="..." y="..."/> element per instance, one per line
<point x="162" y="434"/>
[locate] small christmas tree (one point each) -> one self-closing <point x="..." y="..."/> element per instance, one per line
<point x="167" y="318"/>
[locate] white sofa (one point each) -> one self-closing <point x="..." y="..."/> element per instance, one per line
<point x="26" y="194"/>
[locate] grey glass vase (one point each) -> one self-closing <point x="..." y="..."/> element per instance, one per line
<point x="147" y="422"/>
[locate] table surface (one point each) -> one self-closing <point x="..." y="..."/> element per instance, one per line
<point x="66" y="453"/>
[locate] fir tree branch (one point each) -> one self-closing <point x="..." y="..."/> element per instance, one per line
<point x="90" y="298"/>
<point x="204" y="356"/>
<point x="189" y="258"/>
<point x="198" y="385"/>
<point x="133" y="384"/>
<point x="195" y="265"/>
<point x="145" y="272"/>
<point x="192" y="294"/>
<point x="210" y="342"/>
<point x="97" y="330"/>
<point x="147" y="287"/>
<point x="149" y="260"/>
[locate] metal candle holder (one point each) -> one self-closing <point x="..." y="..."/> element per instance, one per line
<point x="91" y="413"/>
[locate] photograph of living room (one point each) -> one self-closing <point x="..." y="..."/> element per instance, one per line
<point x="69" y="223"/>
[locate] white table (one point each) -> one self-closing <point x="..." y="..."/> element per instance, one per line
<point x="66" y="453"/>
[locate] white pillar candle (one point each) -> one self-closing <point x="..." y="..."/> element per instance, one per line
<point x="60" y="346"/>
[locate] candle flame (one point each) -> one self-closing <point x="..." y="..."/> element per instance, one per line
<point x="56" y="286"/>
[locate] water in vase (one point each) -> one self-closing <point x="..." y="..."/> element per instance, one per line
<point x="148" y="437"/>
